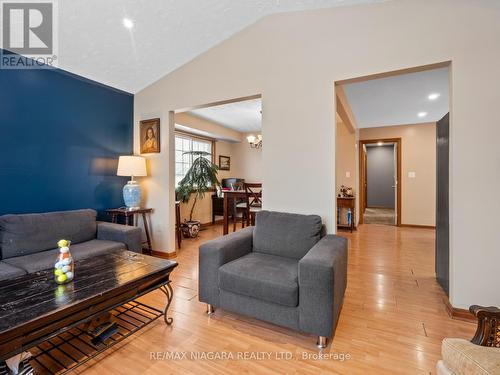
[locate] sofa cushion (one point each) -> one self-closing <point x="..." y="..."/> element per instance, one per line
<point x="285" y="234"/>
<point x="266" y="277"/>
<point x="9" y="272"/>
<point x="27" y="234"/>
<point x="462" y="357"/>
<point x="47" y="259"/>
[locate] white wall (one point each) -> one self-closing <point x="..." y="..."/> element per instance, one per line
<point x="246" y="162"/>
<point x="294" y="59"/>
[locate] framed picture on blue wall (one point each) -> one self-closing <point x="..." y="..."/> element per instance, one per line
<point x="150" y="136"/>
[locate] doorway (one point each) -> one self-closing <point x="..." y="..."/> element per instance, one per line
<point x="380" y="181"/>
<point x="228" y="134"/>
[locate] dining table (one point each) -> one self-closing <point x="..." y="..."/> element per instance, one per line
<point x="230" y="194"/>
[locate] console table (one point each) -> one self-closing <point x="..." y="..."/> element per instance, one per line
<point x="350" y="204"/>
<point x="128" y="214"/>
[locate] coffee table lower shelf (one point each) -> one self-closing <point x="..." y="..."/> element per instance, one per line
<point x="73" y="347"/>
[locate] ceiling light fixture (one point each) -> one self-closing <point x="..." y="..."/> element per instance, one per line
<point x="434" y="96"/>
<point x="422" y="114"/>
<point x="255" y="142"/>
<point x="128" y="23"/>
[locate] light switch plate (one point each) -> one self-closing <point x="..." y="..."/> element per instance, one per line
<point x="412" y="174"/>
<point x="348" y="174"/>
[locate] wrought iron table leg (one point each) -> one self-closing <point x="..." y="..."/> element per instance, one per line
<point x="167" y="289"/>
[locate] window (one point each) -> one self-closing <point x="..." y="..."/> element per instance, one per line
<point x="184" y="143"/>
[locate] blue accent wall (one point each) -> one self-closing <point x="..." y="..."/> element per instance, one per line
<point x="60" y="138"/>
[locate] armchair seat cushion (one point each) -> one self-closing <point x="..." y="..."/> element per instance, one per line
<point x="461" y="357"/>
<point x="262" y="276"/>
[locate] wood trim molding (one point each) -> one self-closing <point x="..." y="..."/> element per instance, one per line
<point x="221" y="102"/>
<point x="193" y="135"/>
<point x="344" y="110"/>
<point x="362" y="168"/>
<point x="394" y="73"/>
<point x="164" y="255"/>
<point x="172" y="255"/>
<point x="209" y="224"/>
<point x="458" y="314"/>
<point x="418" y="226"/>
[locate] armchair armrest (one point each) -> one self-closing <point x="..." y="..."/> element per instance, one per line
<point x="130" y="236"/>
<point x="214" y="254"/>
<point x="488" y="326"/>
<point x="322" y="283"/>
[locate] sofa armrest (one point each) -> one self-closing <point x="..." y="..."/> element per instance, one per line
<point x="130" y="236"/>
<point x="322" y="283"/>
<point x="214" y="254"/>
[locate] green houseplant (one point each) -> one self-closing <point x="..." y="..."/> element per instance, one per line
<point x="199" y="179"/>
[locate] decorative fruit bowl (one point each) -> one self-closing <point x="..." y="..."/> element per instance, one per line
<point x="64" y="271"/>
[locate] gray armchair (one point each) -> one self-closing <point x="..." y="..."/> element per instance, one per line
<point x="280" y="271"/>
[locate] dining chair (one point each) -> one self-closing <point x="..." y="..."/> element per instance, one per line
<point x="253" y="201"/>
<point x="239" y="208"/>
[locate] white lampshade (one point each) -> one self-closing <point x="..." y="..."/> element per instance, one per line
<point x="131" y="166"/>
<point x="251" y="139"/>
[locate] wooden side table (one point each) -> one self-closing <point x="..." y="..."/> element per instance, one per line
<point x="350" y="204"/>
<point x="129" y="214"/>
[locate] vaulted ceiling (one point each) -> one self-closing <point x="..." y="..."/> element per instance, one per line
<point x="94" y="43"/>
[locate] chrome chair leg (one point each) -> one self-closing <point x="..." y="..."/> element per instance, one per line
<point x="322" y="342"/>
<point x="210" y="309"/>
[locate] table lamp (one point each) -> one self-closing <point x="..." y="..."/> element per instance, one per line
<point x="132" y="166"/>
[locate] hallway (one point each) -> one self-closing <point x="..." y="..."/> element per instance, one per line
<point x="393" y="318"/>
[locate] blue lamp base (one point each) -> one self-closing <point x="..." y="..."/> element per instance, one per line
<point x="132" y="194"/>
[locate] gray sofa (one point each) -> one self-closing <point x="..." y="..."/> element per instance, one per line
<point x="28" y="243"/>
<point x="282" y="271"/>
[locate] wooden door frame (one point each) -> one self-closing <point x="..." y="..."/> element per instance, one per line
<point x="362" y="168"/>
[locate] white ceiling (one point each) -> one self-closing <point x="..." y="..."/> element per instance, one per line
<point x="244" y="116"/>
<point x="94" y="43"/>
<point x="399" y="99"/>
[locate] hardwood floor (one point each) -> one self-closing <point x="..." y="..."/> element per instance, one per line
<point x="392" y="321"/>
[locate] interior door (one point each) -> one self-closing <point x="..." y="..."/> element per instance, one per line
<point x="380" y="172"/>
<point x="442" y="203"/>
<point x="395" y="185"/>
<point x="364" y="177"/>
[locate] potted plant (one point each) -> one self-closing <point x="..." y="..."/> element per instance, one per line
<point x="200" y="178"/>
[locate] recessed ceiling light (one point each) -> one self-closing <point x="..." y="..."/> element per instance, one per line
<point x="128" y="23"/>
<point x="434" y="96"/>
<point x="422" y="114"/>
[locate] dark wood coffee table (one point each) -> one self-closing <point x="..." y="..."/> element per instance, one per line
<point x="38" y="315"/>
